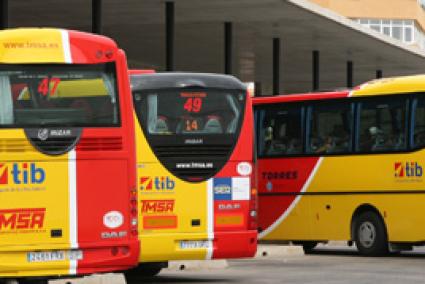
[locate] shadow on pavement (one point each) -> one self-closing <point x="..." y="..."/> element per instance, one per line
<point x="353" y="252"/>
<point x="175" y="279"/>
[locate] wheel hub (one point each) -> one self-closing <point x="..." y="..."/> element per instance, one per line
<point x="367" y="234"/>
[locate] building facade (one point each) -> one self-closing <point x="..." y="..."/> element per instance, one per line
<point x="403" y="20"/>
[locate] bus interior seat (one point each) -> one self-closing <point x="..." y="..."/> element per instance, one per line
<point x="83" y="105"/>
<point x="213" y="125"/>
<point x="161" y="125"/>
<point x="294" y="146"/>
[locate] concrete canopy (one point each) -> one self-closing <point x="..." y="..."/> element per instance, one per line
<point x="138" y="27"/>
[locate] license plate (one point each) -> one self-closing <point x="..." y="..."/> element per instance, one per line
<point x="195" y="244"/>
<point x="59" y="255"/>
<point x="46" y="256"/>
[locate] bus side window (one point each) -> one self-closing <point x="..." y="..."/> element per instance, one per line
<point x="330" y="128"/>
<point x="382" y="125"/>
<point x="280" y="132"/>
<point x="6" y="105"/>
<point x="419" y="124"/>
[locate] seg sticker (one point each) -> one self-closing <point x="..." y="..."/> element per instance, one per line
<point x="113" y="219"/>
<point x="222" y="188"/>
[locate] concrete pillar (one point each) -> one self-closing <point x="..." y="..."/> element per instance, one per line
<point x="228" y="47"/>
<point x="316" y="69"/>
<point x="169" y="36"/>
<point x="276" y="66"/>
<point x="349" y="74"/>
<point x="4" y="14"/>
<point x="96" y="16"/>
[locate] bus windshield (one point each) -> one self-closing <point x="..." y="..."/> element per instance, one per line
<point x="205" y="111"/>
<point x="58" y="95"/>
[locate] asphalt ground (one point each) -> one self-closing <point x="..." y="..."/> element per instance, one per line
<point x="283" y="264"/>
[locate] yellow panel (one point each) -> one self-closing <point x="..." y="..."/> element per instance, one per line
<point x="351" y="181"/>
<point x="229" y="220"/>
<point x="397" y="85"/>
<point x="73" y="89"/>
<point x="34" y="201"/>
<point x="163" y="195"/>
<point x="31" y="46"/>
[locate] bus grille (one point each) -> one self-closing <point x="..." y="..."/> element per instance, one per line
<point x="54" y="145"/>
<point x="192" y="151"/>
<point x="100" y="144"/>
<point x="194" y="174"/>
<point x="172" y="156"/>
<point x="15" y="145"/>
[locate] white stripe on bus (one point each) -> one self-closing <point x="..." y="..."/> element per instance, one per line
<point x="73" y="222"/>
<point x="210" y="218"/>
<point x="66" y="46"/>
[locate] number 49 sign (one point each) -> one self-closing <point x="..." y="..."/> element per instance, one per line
<point x="193" y="105"/>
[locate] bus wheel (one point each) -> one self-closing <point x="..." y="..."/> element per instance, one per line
<point x="308" y="247"/>
<point x="144" y="270"/>
<point x="370" y="234"/>
<point x="33" y="281"/>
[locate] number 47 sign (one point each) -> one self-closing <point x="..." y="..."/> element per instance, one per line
<point x="47" y="84"/>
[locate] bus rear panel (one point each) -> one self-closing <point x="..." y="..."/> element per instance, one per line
<point x="194" y="165"/>
<point x="66" y="173"/>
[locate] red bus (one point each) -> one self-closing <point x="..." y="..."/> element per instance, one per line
<point x="194" y="166"/>
<point x="67" y="176"/>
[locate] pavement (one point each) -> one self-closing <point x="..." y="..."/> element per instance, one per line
<point x="332" y="263"/>
<point x="263" y="251"/>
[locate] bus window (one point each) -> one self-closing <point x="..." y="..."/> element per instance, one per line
<point x="280" y="131"/>
<point x="382" y="125"/>
<point x="189" y="112"/>
<point x="60" y="95"/>
<point x="419" y="123"/>
<point x="330" y="128"/>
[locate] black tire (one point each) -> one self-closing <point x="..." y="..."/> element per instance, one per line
<point x="8" y="281"/>
<point x="33" y="281"/>
<point x="370" y="234"/>
<point x="144" y="270"/>
<point x="308" y="247"/>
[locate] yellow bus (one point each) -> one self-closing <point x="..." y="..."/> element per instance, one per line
<point x="194" y="166"/>
<point x="344" y="165"/>
<point x="67" y="154"/>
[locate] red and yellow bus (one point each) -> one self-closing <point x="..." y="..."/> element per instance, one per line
<point x="67" y="176"/>
<point x="344" y="165"/>
<point x="194" y="166"/>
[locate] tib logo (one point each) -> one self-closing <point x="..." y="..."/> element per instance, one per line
<point x="21" y="173"/>
<point x="156" y="183"/>
<point x="407" y="169"/>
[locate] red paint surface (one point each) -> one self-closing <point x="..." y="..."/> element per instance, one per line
<point x="277" y="176"/>
<point x="105" y="178"/>
<point x="238" y="240"/>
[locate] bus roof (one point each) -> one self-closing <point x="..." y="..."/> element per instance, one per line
<point x="395" y="85"/>
<point x="182" y="79"/>
<point x="385" y="86"/>
<point x="140" y="71"/>
<point x="299" y="97"/>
